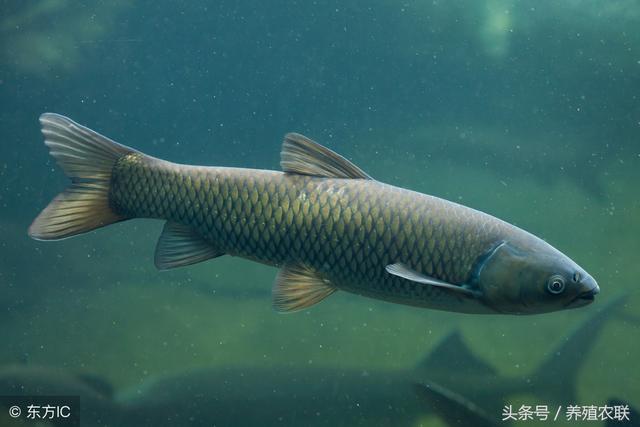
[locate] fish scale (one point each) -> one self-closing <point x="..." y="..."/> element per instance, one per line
<point x="346" y="230"/>
<point x="324" y="221"/>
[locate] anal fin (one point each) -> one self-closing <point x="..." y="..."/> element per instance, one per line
<point x="298" y="287"/>
<point x="179" y="246"/>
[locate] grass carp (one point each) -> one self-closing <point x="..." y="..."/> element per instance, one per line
<point x="326" y="223"/>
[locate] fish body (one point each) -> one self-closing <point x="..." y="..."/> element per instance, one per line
<point x="342" y="229"/>
<point x="323" y="221"/>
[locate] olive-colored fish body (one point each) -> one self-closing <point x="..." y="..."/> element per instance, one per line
<point x="326" y="223"/>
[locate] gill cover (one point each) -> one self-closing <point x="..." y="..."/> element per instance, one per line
<point x="499" y="277"/>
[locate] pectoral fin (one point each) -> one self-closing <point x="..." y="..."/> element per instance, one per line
<point x="298" y="287"/>
<point x="402" y="270"/>
<point x="179" y="245"/>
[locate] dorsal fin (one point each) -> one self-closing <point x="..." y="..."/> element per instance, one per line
<point x="301" y="155"/>
<point x="452" y="354"/>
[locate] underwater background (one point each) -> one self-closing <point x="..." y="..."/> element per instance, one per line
<point x="526" y="110"/>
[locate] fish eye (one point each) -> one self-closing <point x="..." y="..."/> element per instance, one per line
<point x="576" y="277"/>
<point x="555" y="285"/>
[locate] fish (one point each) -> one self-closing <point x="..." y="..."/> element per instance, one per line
<point x="450" y="382"/>
<point x="287" y="395"/>
<point x="322" y="220"/>
<point x="453" y="365"/>
<point x="246" y="396"/>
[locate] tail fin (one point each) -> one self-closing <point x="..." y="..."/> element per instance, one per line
<point x="88" y="159"/>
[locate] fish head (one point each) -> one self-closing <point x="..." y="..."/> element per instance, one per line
<point x="529" y="279"/>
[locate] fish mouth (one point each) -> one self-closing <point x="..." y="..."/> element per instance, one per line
<point x="589" y="291"/>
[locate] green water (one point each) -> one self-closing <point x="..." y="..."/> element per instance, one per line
<point x="527" y="110"/>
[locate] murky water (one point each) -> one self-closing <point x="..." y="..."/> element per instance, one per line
<point x="526" y="110"/>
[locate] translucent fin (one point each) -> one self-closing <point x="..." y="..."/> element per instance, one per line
<point x="402" y="270"/>
<point x="88" y="159"/>
<point x="297" y="288"/>
<point x="301" y="155"/>
<point x="179" y="246"/>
